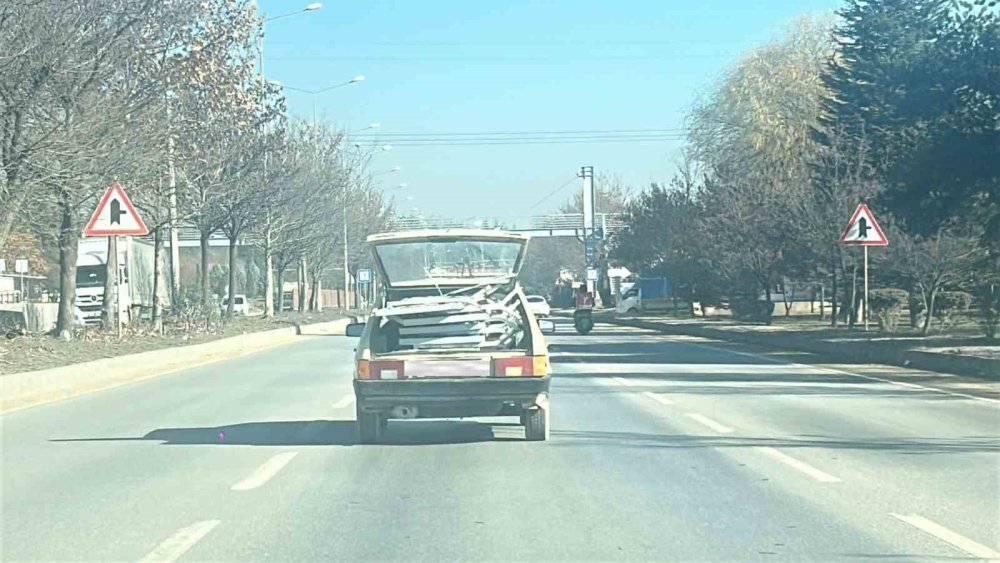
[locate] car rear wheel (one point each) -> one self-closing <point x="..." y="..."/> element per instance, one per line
<point x="536" y="424"/>
<point x="370" y="426"/>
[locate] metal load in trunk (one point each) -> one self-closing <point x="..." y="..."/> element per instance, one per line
<point x="480" y="321"/>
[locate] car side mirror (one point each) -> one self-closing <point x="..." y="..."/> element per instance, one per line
<point x="355" y="330"/>
<point x="547" y="327"/>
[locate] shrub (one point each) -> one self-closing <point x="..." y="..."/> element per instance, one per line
<point x="886" y="305"/>
<point x="749" y="309"/>
<point x="988" y="303"/>
<point x="948" y="304"/>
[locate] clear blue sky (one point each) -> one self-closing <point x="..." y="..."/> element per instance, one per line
<point x="470" y="66"/>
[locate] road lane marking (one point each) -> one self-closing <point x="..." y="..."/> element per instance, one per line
<point x="802" y="466"/>
<point x="852" y="374"/>
<point x="721" y="429"/>
<point x="176" y="545"/>
<point x="264" y="473"/>
<point x="345" y="401"/>
<point x="946" y="535"/>
<point x="658" y="398"/>
<point x="622" y="381"/>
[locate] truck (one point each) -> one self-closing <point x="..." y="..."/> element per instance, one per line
<point x="644" y="294"/>
<point x="135" y="276"/>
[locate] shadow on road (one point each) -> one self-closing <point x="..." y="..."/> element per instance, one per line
<point x="744" y="384"/>
<point x="318" y="433"/>
<point x="973" y="444"/>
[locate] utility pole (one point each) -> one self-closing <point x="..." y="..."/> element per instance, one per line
<point x="589" y="232"/>
<point x="347" y="273"/>
<point x="175" y="251"/>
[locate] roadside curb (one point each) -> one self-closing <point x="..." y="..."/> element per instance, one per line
<point x="980" y="368"/>
<point x="28" y="389"/>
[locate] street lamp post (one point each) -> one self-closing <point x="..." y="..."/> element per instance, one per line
<point x="268" y="259"/>
<point x="315" y="93"/>
<point x="347" y="272"/>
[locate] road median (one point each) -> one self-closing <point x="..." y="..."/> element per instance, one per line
<point x="27" y="389"/>
<point x="859" y="351"/>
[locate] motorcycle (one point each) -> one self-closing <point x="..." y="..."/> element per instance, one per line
<point x="583" y="321"/>
<point x="583" y="318"/>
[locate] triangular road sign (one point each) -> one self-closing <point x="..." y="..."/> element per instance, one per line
<point x="115" y="215"/>
<point x="863" y="230"/>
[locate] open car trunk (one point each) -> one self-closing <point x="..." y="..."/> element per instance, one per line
<point x="450" y="294"/>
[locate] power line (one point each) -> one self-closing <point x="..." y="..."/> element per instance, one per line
<point x="553" y="192"/>
<point x="530" y="133"/>
<point x="556" y="60"/>
<point x="484" y="142"/>
<point x="568" y="42"/>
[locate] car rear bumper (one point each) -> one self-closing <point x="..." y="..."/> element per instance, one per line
<point x="451" y="397"/>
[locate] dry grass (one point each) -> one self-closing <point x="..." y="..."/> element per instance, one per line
<point x="30" y="353"/>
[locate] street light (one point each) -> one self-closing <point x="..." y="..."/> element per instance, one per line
<point x="384" y="172"/>
<point x="315" y="93"/>
<point x="311" y="7"/>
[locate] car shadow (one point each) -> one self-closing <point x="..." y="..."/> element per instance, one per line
<point x="319" y="433"/>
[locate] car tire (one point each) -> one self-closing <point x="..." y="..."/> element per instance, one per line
<point x="369" y="426"/>
<point x="536" y="424"/>
<point x="584" y="325"/>
<point x="633" y="311"/>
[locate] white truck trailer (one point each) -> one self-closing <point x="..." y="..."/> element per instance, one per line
<point x="135" y="276"/>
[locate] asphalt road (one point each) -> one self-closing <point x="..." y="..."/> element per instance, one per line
<point x="663" y="448"/>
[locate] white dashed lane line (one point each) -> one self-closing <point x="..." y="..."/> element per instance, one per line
<point x="622" y="381"/>
<point x="705" y="421"/>
<point x="903" y="384"/>
<point x="176" y="545"/>
<point x="265" y="472"/>
<point x="345" y="401"/>
<point x="802" y="466"/>
<point x="658" y="398"/>
<point x="946" y="535"/>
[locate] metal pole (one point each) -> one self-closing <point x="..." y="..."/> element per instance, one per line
<point x="118" y="289"/>
<point x="175" y="251"/>
<point x="864" y="307"/>
<point x="347" y="273"/>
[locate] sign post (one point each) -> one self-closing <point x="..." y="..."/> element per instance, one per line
<point x="863" y="230"/>
<point x="21" y="267"/>
<point x="364" y="284"/>
<point x="115" y="216"/>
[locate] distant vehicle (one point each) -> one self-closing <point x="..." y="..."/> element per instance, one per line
<point x="240" y="304"/>
<point x="287" y="301"/>
<point x="646" y="294"/>
<point x="135" y="275"/>
<point x="539" y="306"/>
<point x="450" y="336"/>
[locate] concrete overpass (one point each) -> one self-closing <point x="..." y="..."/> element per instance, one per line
<point x="563" y="225"/>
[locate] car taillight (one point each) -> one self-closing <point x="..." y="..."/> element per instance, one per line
<point x="514" y="367"/>
<point x="364" y="369"/>
<point x="389" y="369"/>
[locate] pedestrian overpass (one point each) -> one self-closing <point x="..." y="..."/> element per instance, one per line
<point x="562" y="225"/>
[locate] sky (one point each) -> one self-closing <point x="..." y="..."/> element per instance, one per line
<point x="510" y="70"/>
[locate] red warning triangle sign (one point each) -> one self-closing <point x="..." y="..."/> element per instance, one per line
<point x="115" y="215"/>
<point x="863" y="229"/>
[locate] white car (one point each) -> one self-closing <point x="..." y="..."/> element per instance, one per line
<point x="240" y="304"/>
<point x="539" y="306"/>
